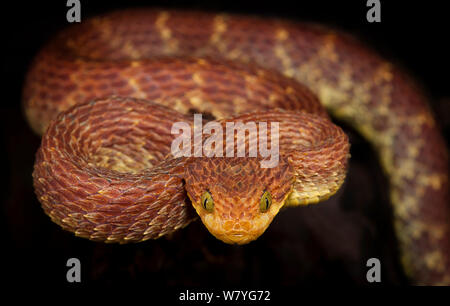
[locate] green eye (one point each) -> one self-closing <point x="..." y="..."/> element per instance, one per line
<point x="265" y="202"/>
<point x="207" y="201"/>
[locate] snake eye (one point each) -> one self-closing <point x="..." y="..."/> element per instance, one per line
<point x="207" y="201"/>
<point x="265" y="202"/>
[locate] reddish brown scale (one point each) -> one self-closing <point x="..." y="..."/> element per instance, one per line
<point x="320" y="150"/>
<point x="155" y="80"/>
<point x="102" y="204"/>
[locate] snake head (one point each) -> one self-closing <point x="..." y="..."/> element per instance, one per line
<point x="236" y="198"/>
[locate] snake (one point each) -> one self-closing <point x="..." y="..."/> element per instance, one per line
<point x="105" y="94"/>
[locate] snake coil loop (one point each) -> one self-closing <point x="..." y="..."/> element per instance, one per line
<point x="104" y="172"/>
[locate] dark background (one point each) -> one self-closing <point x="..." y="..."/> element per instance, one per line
<point x="327" y="244"/>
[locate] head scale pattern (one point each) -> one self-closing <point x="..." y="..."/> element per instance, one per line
<point x="236" y="186"/>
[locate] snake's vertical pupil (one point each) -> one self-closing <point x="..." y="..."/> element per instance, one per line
<point x="207" y="201"/>
<point x="266" y="200"/>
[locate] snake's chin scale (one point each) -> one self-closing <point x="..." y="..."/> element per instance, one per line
<point x="235" y="232"/>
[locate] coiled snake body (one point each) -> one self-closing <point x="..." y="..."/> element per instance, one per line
<point x="104" y="169"/>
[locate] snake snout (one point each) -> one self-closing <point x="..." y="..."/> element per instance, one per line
<point x="237" y="225"/>
<point x="239" y="234"/>
<point x="238" y="238"/>
<point x="237" y="231"/>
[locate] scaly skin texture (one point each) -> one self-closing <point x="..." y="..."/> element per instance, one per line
<point x="106" y="56"/>
<point x="311" y="167"/>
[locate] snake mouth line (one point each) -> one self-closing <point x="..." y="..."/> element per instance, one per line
<point x="237" y="235"/>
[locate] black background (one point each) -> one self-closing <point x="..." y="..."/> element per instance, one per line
<point x="327" y="244"/>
